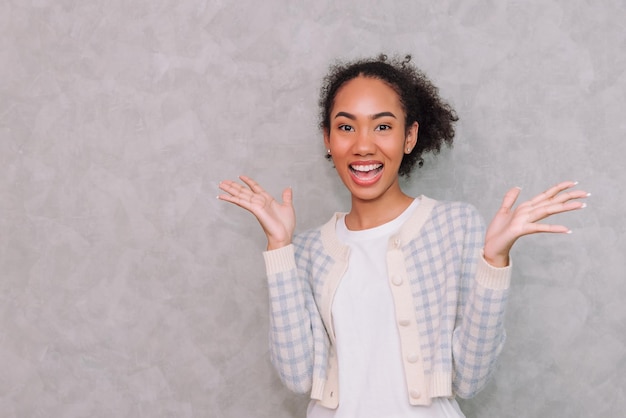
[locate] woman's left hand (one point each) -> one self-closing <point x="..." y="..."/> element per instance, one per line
<point x="510" y="224"/>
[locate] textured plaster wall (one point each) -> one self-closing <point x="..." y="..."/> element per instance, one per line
<point x="128" y="290"/>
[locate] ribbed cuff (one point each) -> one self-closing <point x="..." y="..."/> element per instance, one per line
<point x="496" y="278"/>
<point x="441" y="385"/>
<point x="279" y="260"/>
<point x="317" y="389"/>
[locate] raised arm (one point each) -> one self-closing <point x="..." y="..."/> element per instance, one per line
<point x="278" y="220"/>
<point x="293" y="313"/>
<point x="510" y="224"/>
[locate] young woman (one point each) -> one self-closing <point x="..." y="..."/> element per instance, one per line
<point x="396" y="307"/>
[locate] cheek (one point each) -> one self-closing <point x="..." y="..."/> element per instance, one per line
<point x="395" y="146"/>
<point x="339" y="142"/>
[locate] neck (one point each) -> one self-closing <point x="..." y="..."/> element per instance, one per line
<point x="366" y="214"/>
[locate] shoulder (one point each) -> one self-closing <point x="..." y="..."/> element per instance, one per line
<point x="321" y="242"/>
<point x="312" y="238"/>
<point x="454" y="208"/>
<point x="307" y="237"/>
<point x="456" y="215"/>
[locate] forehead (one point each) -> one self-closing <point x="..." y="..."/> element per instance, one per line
<point x="363" y="93"/>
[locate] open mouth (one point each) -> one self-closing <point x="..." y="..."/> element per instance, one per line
<point x="366" y="172"/>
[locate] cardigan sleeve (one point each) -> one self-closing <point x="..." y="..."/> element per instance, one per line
<point x="291" y="335"/>
<point x="479" y="335"/>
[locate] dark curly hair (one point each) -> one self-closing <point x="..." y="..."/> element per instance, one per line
<point x="418" y="96"/>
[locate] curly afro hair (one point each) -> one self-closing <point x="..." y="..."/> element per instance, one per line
<point x="418" y="96"/>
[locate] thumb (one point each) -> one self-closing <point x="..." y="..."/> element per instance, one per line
<point x="288" y="196"/>
<point x="509" y="199"/>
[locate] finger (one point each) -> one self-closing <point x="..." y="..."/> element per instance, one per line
<point x="237" y="200"/>
<point x="241" y="198"/>
<point x="568" y="196"/>
<point x="288" y="196"/>
<point x="509" y="199"/>
<point x="253" y="185"/>
<point x="232" y="187"/>
<point x="543" y="212"/>
<point x="569" y="199"/>
<point x="547" y="228"/>
<point x="224" y="184"/>
<point x="552" y="191"/>
<point x="236" y="193"/>
<point x="257" y="189"/>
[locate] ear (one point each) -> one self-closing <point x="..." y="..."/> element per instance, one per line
<point x="411" y="138"/>
<point x="326" y="138"/>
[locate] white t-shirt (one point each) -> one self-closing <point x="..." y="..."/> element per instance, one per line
<point x="371" y="375"/>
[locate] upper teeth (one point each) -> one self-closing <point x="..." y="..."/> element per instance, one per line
<point x="368" y="167"/>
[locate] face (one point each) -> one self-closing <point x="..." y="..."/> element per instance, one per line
<point x="367" y="138"/>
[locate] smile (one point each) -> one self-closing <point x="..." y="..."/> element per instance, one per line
<point x="366" y="174"/>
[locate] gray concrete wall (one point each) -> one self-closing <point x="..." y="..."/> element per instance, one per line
<point x="128" y="290"/>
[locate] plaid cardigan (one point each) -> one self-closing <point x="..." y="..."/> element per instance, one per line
<point x="449" y="305"/>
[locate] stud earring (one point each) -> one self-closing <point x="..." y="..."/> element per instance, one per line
<point x="328" y="151"/>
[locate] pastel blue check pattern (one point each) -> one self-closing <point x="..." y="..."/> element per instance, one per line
<point x="459" y="308"/>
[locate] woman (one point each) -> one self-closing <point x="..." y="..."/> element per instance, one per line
<point x="396" y="307"/>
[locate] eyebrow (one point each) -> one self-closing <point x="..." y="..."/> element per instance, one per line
<point x="374" y="116"/>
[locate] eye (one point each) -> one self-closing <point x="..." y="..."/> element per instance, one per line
<point x="383" y="127"/>
<point x="346" y="128"/>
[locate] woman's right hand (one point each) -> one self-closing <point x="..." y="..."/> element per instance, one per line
<point x="278" y="220"/>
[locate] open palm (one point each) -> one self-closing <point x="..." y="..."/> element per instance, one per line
<point x="278" y="220"/>
<point x="510" y="224"/>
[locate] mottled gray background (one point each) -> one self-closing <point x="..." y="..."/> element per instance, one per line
<point x="128" y="290"/>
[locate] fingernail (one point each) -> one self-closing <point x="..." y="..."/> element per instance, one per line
<point x="569" y="232"/>
<point x="588" y="194"/>
<point x="575" y="183"/>
<point x="584" y="205"/>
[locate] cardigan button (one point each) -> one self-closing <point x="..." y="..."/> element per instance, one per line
<point x="413" y="357"/>
<point x="397" y="280"/>
<point x="396" y="242"/>
<point x="415" y="394"/>
<point x="404" y="322"/>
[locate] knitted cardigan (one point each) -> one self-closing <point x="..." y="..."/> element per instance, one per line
<point x="449" y="305"/>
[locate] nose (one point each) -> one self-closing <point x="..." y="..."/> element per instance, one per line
<point x="364" y="143"/>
